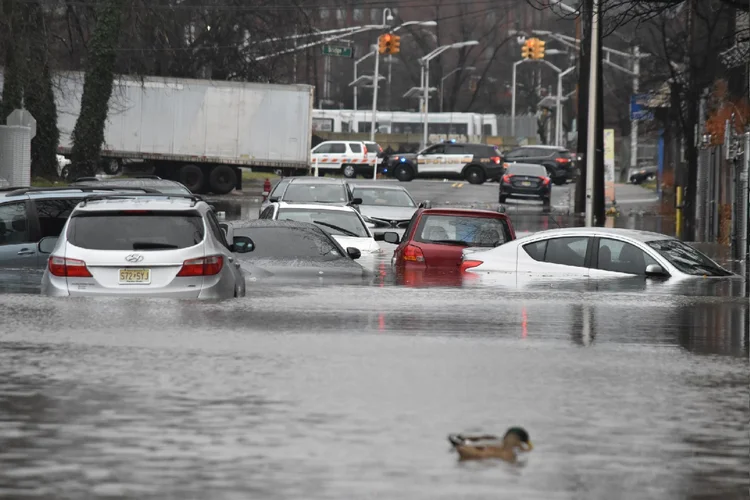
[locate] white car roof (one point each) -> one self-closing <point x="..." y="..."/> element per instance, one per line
<point x="642" y="236"/>
<point x="378" y="186"/>
<point x="316" y="206"/>
<point x="137" y="203"/>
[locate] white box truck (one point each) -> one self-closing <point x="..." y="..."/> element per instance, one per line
<point x="199" y="132"/>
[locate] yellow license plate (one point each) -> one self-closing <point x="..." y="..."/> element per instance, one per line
<point x="526" y="183"/>
<point x="135" y="276"/>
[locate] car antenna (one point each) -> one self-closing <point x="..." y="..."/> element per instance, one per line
<point x="555" y="221"/>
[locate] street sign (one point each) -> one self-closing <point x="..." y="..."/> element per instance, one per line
<point x="338" y="51"/>
<point x="638" y="109"/>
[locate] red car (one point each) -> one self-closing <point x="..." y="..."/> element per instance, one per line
<point x="433" y="242"/>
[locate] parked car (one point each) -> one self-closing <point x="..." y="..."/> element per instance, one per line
<point x="343" y="157"/>
<point x="591" y="253"/>
<point x="476" y="163"/>
<point x="291" y="250"/>
<point x="145" y="181"/>
<point x="526" y="180"/>
<point x="28" y="215"/>
<point x="559" y="162"/>
<point x="143" y="245"/>
<point x="386" y="206"/>
<point x="345" y="224"/>
<point x="643" y="174"/>
<point x="310" y="190"/>
<point x="436" y="237"/>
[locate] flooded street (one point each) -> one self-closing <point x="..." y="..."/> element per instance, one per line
<point x="308" y="391"/>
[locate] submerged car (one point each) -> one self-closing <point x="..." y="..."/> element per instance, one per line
<point x="152" y="245"/>
<point x="290" y="250"/>
<point x="591" y="253"/>
<point x="386" y="206"/>
<point x="526" y="180"/>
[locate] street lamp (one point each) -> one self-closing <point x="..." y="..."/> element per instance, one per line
<point x="425" y="63"/>
<point x="356" y="63"/>
<point x="390" y="57"/>
<point x="442" y="81"/>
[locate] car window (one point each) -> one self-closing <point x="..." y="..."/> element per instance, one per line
<point x="315" y="193"/>
<point x="336" y="222"/>
<point x="462" y="230"/>
<point x="518" y="153"/>
<point x="138" y="231"/>
<point x="567" y="251"/>
<point x="543" y="152"/>
<point x="14" y="225"/>
<point x="323" y="149"/>
<point x="373" y="147"/>
<point x="622" y="257"/>
<point x="687" y="259"/>
<point x="536" y="250"/>
<point x="564" y="153"/>
<point x="356" y="148"/>
<point x="455" y="150"/>
<point x="338" y="148"/>
<point x="384" y="197"/>
<point x="529" y="170"/>
<point x="215" y="228"/>
<point x="53" y="214"/>
<point x="438" y="149"/>
<point x="267" y="213"/>
<point x="289" y="243"/>
<point x="279" y="188"/>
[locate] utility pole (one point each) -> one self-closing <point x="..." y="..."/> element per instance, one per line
<point x="592" y="108"/>
<point x="583" y="98"/>
<point x="599" y="199"/>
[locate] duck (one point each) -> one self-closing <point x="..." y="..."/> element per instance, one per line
<point x="479" y="447"/>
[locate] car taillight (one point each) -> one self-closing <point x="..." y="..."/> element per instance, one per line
<point x="413" y="254"/>
<point x="365" y="149"/>
<point x="495" y="160"/>
<point x="506" y="178"/>
<point x="468" y="264"/>
<point x="562" y="160"/>
<point x="68" y="268"/>
<point x="545" y="180"/>
<point x="205" y="266"/>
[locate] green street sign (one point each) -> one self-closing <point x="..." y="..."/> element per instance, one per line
<point x="338" y="51"/>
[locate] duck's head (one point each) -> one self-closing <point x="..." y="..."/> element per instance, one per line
<point x="517" y="437"/>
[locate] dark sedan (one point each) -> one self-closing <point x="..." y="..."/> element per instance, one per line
<point x="524" y="180"/>
<point x="281" y="250"/>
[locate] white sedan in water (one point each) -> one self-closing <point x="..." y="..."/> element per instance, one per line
<point x="590" y="253"/>
<point x="342" y="222"/>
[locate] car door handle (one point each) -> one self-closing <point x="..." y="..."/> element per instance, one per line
<point x="25" y="251"/>
<point x="230" y="259"/>
<point x="237" y="265"/>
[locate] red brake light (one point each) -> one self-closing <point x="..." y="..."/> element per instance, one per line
<point x="413" y="254"/>
<point x="506" y="178"/>
<point x="68" y="268"/>
<point x="205" y="266"/>
<point x="495" y="160"/>
<point x="562" y="160"/>
<point x="545" y="180"/>
<point x="468" y="264"/>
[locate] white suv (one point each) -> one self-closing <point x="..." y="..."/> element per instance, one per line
<point x="343" y="156"/>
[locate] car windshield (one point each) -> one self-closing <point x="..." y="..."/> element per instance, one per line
<point x="141" y="231"/>
<point x="315" y="193"/>
<point x="336" y="222"/>
<point x="470" y="231"/>
<point x="384" y="197"/>
<point x="530" y="170"/>
<point x="687" y="259"/>
<point x="289" y="243"/>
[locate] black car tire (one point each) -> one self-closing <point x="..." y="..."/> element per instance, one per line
<point x="546" y="204"/>
<point x="403" y="173"/>
<point x="502" y="198"/>
<point x="349" y="171"/>
<point x="192" y="177"/>
<point x="559" y="181"/>
<point x="222" y="179"/>
<point x="475" y="175"/>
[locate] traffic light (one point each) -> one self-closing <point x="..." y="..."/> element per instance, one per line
<point x="526" y="49"/>
<point x="396" y="44"/>
<point x="538" y="52"/>
<point x="385" y="43"/>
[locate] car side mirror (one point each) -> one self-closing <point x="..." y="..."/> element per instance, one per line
<point x="425" y="204"/>
<point x="356" y="201"/>
<point x="655" y="270"/>
<point x="242" y="244"/>
<point x="273" y="199"/>
<point x="47" y="244"/>
<point x="354" y="253"/>
<point x="391" y="237"/>
<point x="266" y="193"/>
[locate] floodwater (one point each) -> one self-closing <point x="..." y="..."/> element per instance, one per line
<point x="341" y="392"/>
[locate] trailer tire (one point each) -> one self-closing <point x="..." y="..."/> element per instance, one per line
<point x="222" y="179"/>
<point x="111" y="166"/>
<point x="192" y="177"/>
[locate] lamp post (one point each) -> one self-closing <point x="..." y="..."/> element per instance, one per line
<point x="356" y="63"/>
<point x="390" y="57"/>
<point x="442" y="82"/>
<point x="425" y="62"/>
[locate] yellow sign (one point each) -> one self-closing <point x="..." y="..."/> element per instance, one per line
<point x="609" y="165"/>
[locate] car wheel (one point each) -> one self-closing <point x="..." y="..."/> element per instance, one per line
<point x="65" y="173"/>
<point x="349" y="171"/>
<point x="546" y="204"/>
<point x="502" y="198"/>
<point x="403" y="173"/>
<point x="474" y="175"/>
<point x="559" y="181"/>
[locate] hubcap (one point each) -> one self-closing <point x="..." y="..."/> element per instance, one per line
<point x="349" y="171"/>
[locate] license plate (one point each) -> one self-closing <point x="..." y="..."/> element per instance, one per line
<point x="526" y="183"/>
<point x="135" y="276"/>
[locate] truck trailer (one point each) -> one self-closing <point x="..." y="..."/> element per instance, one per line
<point x="198" y="132"/>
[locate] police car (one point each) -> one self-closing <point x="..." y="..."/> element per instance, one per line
<point x="345" y="157"/>
<point x="476" y="163"/>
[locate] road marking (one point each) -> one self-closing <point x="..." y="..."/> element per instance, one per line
<point x="457" y="184"/>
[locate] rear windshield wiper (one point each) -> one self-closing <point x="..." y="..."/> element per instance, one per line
<point x="345" y="231"/>
<point x="147" y="245"/>
<point x="450" y="242"/>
